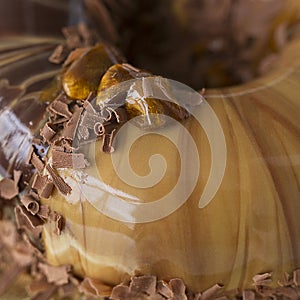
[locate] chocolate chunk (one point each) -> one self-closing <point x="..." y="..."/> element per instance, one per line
<point x="46" y="190"/>
<point x="95" y="287"/>
<point x="59" y="183"/>
<point x="30" y="203"/>
<point x="57" y="275"/>
<point x="26" y="220"/>
<point x="68" y="160"/>
<point x="164" y="289"/>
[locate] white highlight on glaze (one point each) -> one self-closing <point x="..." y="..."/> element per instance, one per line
<point x="109" y="202"/>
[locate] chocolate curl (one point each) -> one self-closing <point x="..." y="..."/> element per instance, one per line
<point x="95" y="287"/>
<point x="30" y="203"/>
<point x="107" y="142"/>
<point x="59" y="183"/>
<point x="211" y="292"/>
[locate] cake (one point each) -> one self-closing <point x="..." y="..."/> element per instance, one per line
<point x="222" y="221"/>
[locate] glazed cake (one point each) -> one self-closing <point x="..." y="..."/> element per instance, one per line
<point x="82" y="225"/>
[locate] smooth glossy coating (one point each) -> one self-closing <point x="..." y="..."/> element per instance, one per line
<point x="251" y="225"/>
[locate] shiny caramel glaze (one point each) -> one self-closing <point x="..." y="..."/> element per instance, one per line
<point x="252" y="224"/>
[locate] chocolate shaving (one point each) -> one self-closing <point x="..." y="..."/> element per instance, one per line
<point x="68" y="160"/>
<point x="95" y="287"/>
<point x="8" y="189"/>
<point x="59" y="183"/>
<point x="38" y="286"/>
<point x="26" y="220"/>
<point x="262" y="279"/>
<point x="46" y="189"/>
<point x="39" y="182"/>
<point x="212" y="291"/>
<point x="44" y="212"/>
<point x="70" y="127"/>
<point x="59" y="222"/>
<point x="120" y="292"/>
<point x="72" y="37"/>
<point x="46" y="294"/>
<point x="296" y="277"/>
<point x="60" y="108"/>
<point x="164" y="289"/>
<point x="178" y="288"/>
<point x="57" y="275"/>
<point x="107" y="142"/>
<point x="30" y="203"/>
<point x="37" y="163"/>
<point x="143" y="284"/>
<point x="47" y="132"/>
<point x="59" y="54"/>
